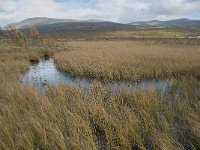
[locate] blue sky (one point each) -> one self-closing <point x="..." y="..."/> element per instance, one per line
<point x="123" y="11"/>
<point x="83" y="3"/>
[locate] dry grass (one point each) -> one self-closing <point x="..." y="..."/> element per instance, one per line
<point x="129" y="34"/>
<point x="129" y="60"/>
<point x="64" y="118"/>
<point x="149" y="34"/>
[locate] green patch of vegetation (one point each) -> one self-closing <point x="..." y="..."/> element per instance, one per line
<point x="130" y="34"/>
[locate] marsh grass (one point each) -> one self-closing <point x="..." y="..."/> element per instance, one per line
<point x="65" y="118"/>
<point x="136" y="34"/>
<point x="132" y="60"/>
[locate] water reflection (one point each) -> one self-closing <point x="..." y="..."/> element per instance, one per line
<point x="45" y="72"/>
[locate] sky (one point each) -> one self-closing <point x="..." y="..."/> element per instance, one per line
<point x="123" y="11"/>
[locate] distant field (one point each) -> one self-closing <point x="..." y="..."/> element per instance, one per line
<point x="129" y="34"/>
<point x="153" y="33"/>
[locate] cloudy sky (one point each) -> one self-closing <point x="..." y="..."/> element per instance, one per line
<point x="123" y="11"/>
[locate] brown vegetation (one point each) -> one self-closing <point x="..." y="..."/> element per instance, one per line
<point x="122" y="60"/>
<point x="65" y="118"/>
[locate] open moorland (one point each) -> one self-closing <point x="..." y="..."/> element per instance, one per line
<point x="64" y="117"/>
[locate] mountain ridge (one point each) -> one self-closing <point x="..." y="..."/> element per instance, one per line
<point x="52" y="26"/>
<point x="175" y="23"/>
<point x="40" y="21"/>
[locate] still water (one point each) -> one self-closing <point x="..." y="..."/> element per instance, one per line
<point x="45" y="73"/>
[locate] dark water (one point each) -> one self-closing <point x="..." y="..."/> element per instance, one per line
<point x="45" y="72"/>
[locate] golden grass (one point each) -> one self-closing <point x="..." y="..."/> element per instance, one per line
<point x="65" y="118"/>
<point x="149" y="33"/>
<point x="129" y="34"/>
<point x="115" y="60"/>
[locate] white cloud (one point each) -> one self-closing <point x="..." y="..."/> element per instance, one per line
<point x="113" y="10"/>
<point x="133" y="10"/>
<point x="12" y="11"/>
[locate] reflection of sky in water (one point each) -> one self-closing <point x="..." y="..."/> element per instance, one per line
<point x="46" y="73"/>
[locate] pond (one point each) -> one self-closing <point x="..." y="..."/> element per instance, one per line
<point x="45" y="73"/>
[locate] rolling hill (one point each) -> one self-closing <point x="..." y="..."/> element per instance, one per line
<point x="91" y="28"/>
<point x="49" y="25"/>
<point x="41" y="21"/>
<point x="60" y="25"/>
<point x="177" y="23"/>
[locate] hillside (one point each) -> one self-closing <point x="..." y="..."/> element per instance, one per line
<point x="177" y="23"/>
<point x="51" y="25"/>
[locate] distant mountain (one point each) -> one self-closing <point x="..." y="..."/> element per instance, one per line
<point x="177" y="23"/>
<point x="81" y="28"/>
<point x="145" y="23"/>
<point x="51" y="25"/>
<point x="41" y="21"/>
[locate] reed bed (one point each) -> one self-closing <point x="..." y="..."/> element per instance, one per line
<point x="129" y="60"/>
<point x="65" y="118"/>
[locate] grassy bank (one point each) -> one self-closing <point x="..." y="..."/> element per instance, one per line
<point x="129" y="60"/>
<point x="65" y="118"/>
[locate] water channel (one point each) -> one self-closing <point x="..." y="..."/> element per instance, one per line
<point x="45" y="73"/>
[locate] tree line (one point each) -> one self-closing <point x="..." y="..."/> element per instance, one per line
<point x="26" y="37"/>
